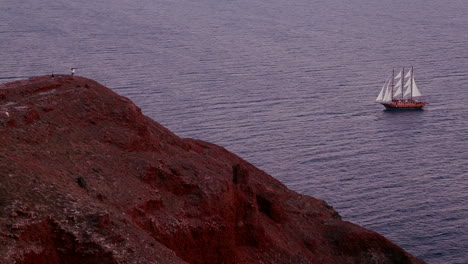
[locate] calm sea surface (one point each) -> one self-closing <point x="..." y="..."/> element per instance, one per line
<point x="289" y="86"/>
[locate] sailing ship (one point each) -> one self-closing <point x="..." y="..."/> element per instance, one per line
<point x="400" y="92"/>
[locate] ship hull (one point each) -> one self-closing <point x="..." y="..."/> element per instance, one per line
<point x="404" y="105"/>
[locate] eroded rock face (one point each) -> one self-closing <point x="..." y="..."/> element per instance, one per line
<point x="86" y="178"/>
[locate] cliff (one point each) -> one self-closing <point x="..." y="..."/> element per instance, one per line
<point x="85" y="177"/>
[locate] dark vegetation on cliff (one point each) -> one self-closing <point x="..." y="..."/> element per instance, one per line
<point x="85" y="177"/>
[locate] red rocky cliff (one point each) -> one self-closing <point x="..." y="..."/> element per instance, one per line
<point x="85" y="177"/>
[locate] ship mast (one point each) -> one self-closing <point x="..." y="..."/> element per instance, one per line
<point x="402" y="81"/>
<point x="411" y="83"/>
<point x="393" y="78"/>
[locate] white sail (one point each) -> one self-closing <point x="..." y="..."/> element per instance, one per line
<point x="415" y="90"/>
<point x="398" y="83"/>
<point x="408" y="74"/>
<point x="408" y="87"/>
<point x="388" y="93"/>
<point x="381" y="95"/>
<point x="397" y="90"/>
<point x="398" y="76"/>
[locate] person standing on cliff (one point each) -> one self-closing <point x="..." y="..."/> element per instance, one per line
<point x="72" y="71"/>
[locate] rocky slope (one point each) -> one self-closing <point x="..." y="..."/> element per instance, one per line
<point x="85" y="177"/>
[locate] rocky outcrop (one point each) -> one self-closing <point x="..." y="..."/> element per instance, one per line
<point x="85" y="177"/>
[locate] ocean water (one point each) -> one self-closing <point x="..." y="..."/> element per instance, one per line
<point x="290" y="87"/>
